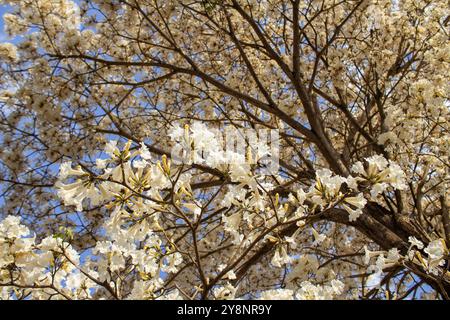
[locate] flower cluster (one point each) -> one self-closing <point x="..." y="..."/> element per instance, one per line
<point x="224" y="149"/>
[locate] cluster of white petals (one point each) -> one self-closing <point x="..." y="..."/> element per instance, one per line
<point x="235" y="149"/>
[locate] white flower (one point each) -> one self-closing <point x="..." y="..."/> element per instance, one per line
<point x="396" y="176"/>
<point x="140" y="164"/>
<point x="318" y="238"/>
<point x="10" y="227"/>
<point x="277" y="294"/>
<point x="381" y="173"/>
<point x="324" y="174"/>
<point x="204" y="139"/>
<point x="374" y="279"/>
<point x="240" y="172"/>
<point x="172" y="261"/>
<point x="230" y="275"/>
<point x="415" y="243"/>
<point x="292" y="199"/>
<point x="226" y="292"/>
<point x="369" y="254"/>
<point x="144" y="152"/>
<point x="393" y="255"/>
<point x="194" y="208"/>
<point x="73" y="280"/>
<point x="66" y="170"/>
<point x="232" y="222"/>
<point x="379" y="161"/>
<point x="44" y="259"/>
<point x="291" y="240"/>
<point x="231" y="225"/>
<point x="140" y="291"/>
<point x="308" y="291"/>
<point x="221" y="266"/>
<point x="337" y="286"/>
<point x="117" y="261"/>
<point x="377" y="189"/>
<point x="381" y="262"/>
<point x="359" y="201"/>
<point x="358" y="168"/>
<point x="301" y="196"/>
<point x="215" y="158"/>
<point x="158" y="178"/>
<point x="22" y="245"/>
<point x="280" y="257"/>
<point x="352" y="182"/>
<point x="387" y="136"/>
<point x="8" y="52"/>
<point x="111" y="148"/>
<point x="353" y="214"/>
<point x="435" y="249"/>
<point x="101" y="163"/>
<point x="75" y="193"/>
<point x="49" y="243"/>
<point x="331" y="182"/>
<point x="176" y="133"/>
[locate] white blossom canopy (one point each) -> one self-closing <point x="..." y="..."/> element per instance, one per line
<point x="94" y="95"/>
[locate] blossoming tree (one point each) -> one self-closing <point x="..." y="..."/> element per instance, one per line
<point x="96" y="94"/>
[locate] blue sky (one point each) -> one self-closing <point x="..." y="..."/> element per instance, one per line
<point x="4" y="38"/>
<point x="3" y="9"/>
